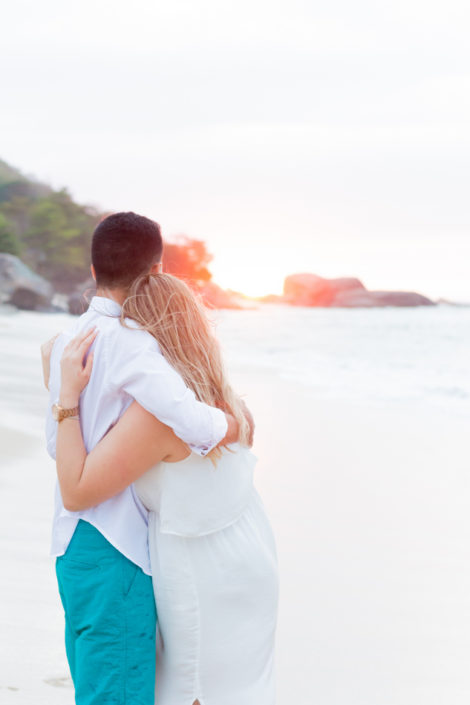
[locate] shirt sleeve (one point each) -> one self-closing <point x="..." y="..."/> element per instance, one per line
<point x="51" y="433"/>
<point x="54" y="391"/>
<point x="142" y="372"/>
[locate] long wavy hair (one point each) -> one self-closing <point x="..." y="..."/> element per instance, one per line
<point x="167" y="308"/>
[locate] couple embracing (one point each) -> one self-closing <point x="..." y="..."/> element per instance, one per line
<point x="166" y="561"/>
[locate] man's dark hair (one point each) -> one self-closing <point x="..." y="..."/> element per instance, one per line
<point x="124" y="246"/>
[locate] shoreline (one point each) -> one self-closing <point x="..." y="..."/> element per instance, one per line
<point x="7" y="309"/>
<point x="369" y="506"/>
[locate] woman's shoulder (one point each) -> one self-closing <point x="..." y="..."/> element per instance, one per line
<point x="231" y="453"/>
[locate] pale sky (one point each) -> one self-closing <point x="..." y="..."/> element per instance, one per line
<point x="329" y="137"/>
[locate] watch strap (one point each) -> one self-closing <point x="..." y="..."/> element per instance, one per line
<point x="68" y="413"/>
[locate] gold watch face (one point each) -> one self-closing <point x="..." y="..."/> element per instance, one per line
<point x="56" y="409"/>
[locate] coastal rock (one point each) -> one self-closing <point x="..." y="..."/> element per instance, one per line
<point x="22" y="287"/>
<point x="347" y="292"/>
<point x="271" y="299"/>
<point x="371" y="299"/>
<point x="78" y="301"/>
<point x="312" y="290"/>
<point x="216" y="297"/>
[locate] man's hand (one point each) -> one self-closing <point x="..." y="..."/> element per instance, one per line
<point x="46" y="351"/>
<point x="251" y="422"/>
<point x="233" y="430"/>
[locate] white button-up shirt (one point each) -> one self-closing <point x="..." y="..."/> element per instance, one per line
<point x="127" y="365"/>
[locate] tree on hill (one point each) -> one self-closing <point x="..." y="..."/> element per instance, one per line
<point x="187" y="259"/>
<point x="18" y="214"/>
<point x="15" y="184"/>
<point x="9" y="173"/>
<point x="53" y="234"/>
<point x="50" y="230"/>
<point x="57" y="241"/>
<point x="9" y="243"/>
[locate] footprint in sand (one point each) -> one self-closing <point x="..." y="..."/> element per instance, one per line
<point x="59" y="682"/>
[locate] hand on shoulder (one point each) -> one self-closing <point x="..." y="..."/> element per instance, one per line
<point x="75" y="370"/>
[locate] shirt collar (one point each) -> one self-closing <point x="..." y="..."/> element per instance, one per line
<point x="108" y="307"/>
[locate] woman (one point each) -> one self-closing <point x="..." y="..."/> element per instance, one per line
<point x="211" y="546"/>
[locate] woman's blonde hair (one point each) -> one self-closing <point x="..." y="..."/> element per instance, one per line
<point x="167" y="308"/>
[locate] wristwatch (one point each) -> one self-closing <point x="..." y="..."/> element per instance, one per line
<point x="59" y="413"/>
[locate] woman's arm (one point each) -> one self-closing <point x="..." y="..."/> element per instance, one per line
<point x="134" y="445"/>
<point x="137" y="442"/>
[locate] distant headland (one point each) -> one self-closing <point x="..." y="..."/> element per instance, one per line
<point x="45" y="239"/>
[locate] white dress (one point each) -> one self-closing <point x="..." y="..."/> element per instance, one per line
<point x="215" y="580"/>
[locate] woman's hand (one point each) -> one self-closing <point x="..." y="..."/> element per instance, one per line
<point x="46" y="351"/>
<point x="75" y="374"/>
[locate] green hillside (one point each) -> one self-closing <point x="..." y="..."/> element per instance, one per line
<point x="46" y="228"/>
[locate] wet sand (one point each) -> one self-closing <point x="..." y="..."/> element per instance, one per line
<point x="370" y="511"/>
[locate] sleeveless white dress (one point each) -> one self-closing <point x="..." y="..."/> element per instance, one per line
<point x="215" y="580"/>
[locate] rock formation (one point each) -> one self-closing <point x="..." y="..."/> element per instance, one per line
<point x="79" y="299"/>
<point x="312" y="290"/>
<point x="215" y="297"/>
<point x="22" y="287"/>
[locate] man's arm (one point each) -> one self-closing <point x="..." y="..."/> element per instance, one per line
<point x="142" y="372"/>
<point x="135" y="365"/>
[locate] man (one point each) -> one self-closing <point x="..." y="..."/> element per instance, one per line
<point x="103" y="566"/>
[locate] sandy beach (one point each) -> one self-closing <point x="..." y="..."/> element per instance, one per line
<point x="370" y="510"/>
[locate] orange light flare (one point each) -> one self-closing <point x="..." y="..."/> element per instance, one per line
<point x="252" y="283"/>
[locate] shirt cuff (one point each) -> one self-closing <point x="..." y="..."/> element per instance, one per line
<point x="219" y="431"/>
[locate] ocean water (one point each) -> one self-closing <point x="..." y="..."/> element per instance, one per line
<point x="380" y="356"/>
<point x="377" y="356"/>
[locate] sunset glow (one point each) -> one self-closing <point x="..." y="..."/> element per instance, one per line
<point x="253" y="276"/>
<point x="356" y="171"/>
<point x="260" y="271"/>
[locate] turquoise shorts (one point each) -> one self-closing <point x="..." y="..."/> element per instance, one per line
<point x="110" y="622"/>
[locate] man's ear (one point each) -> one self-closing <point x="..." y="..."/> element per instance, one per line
<point x="93" y="273"/>
<point x="156" y="268"/>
